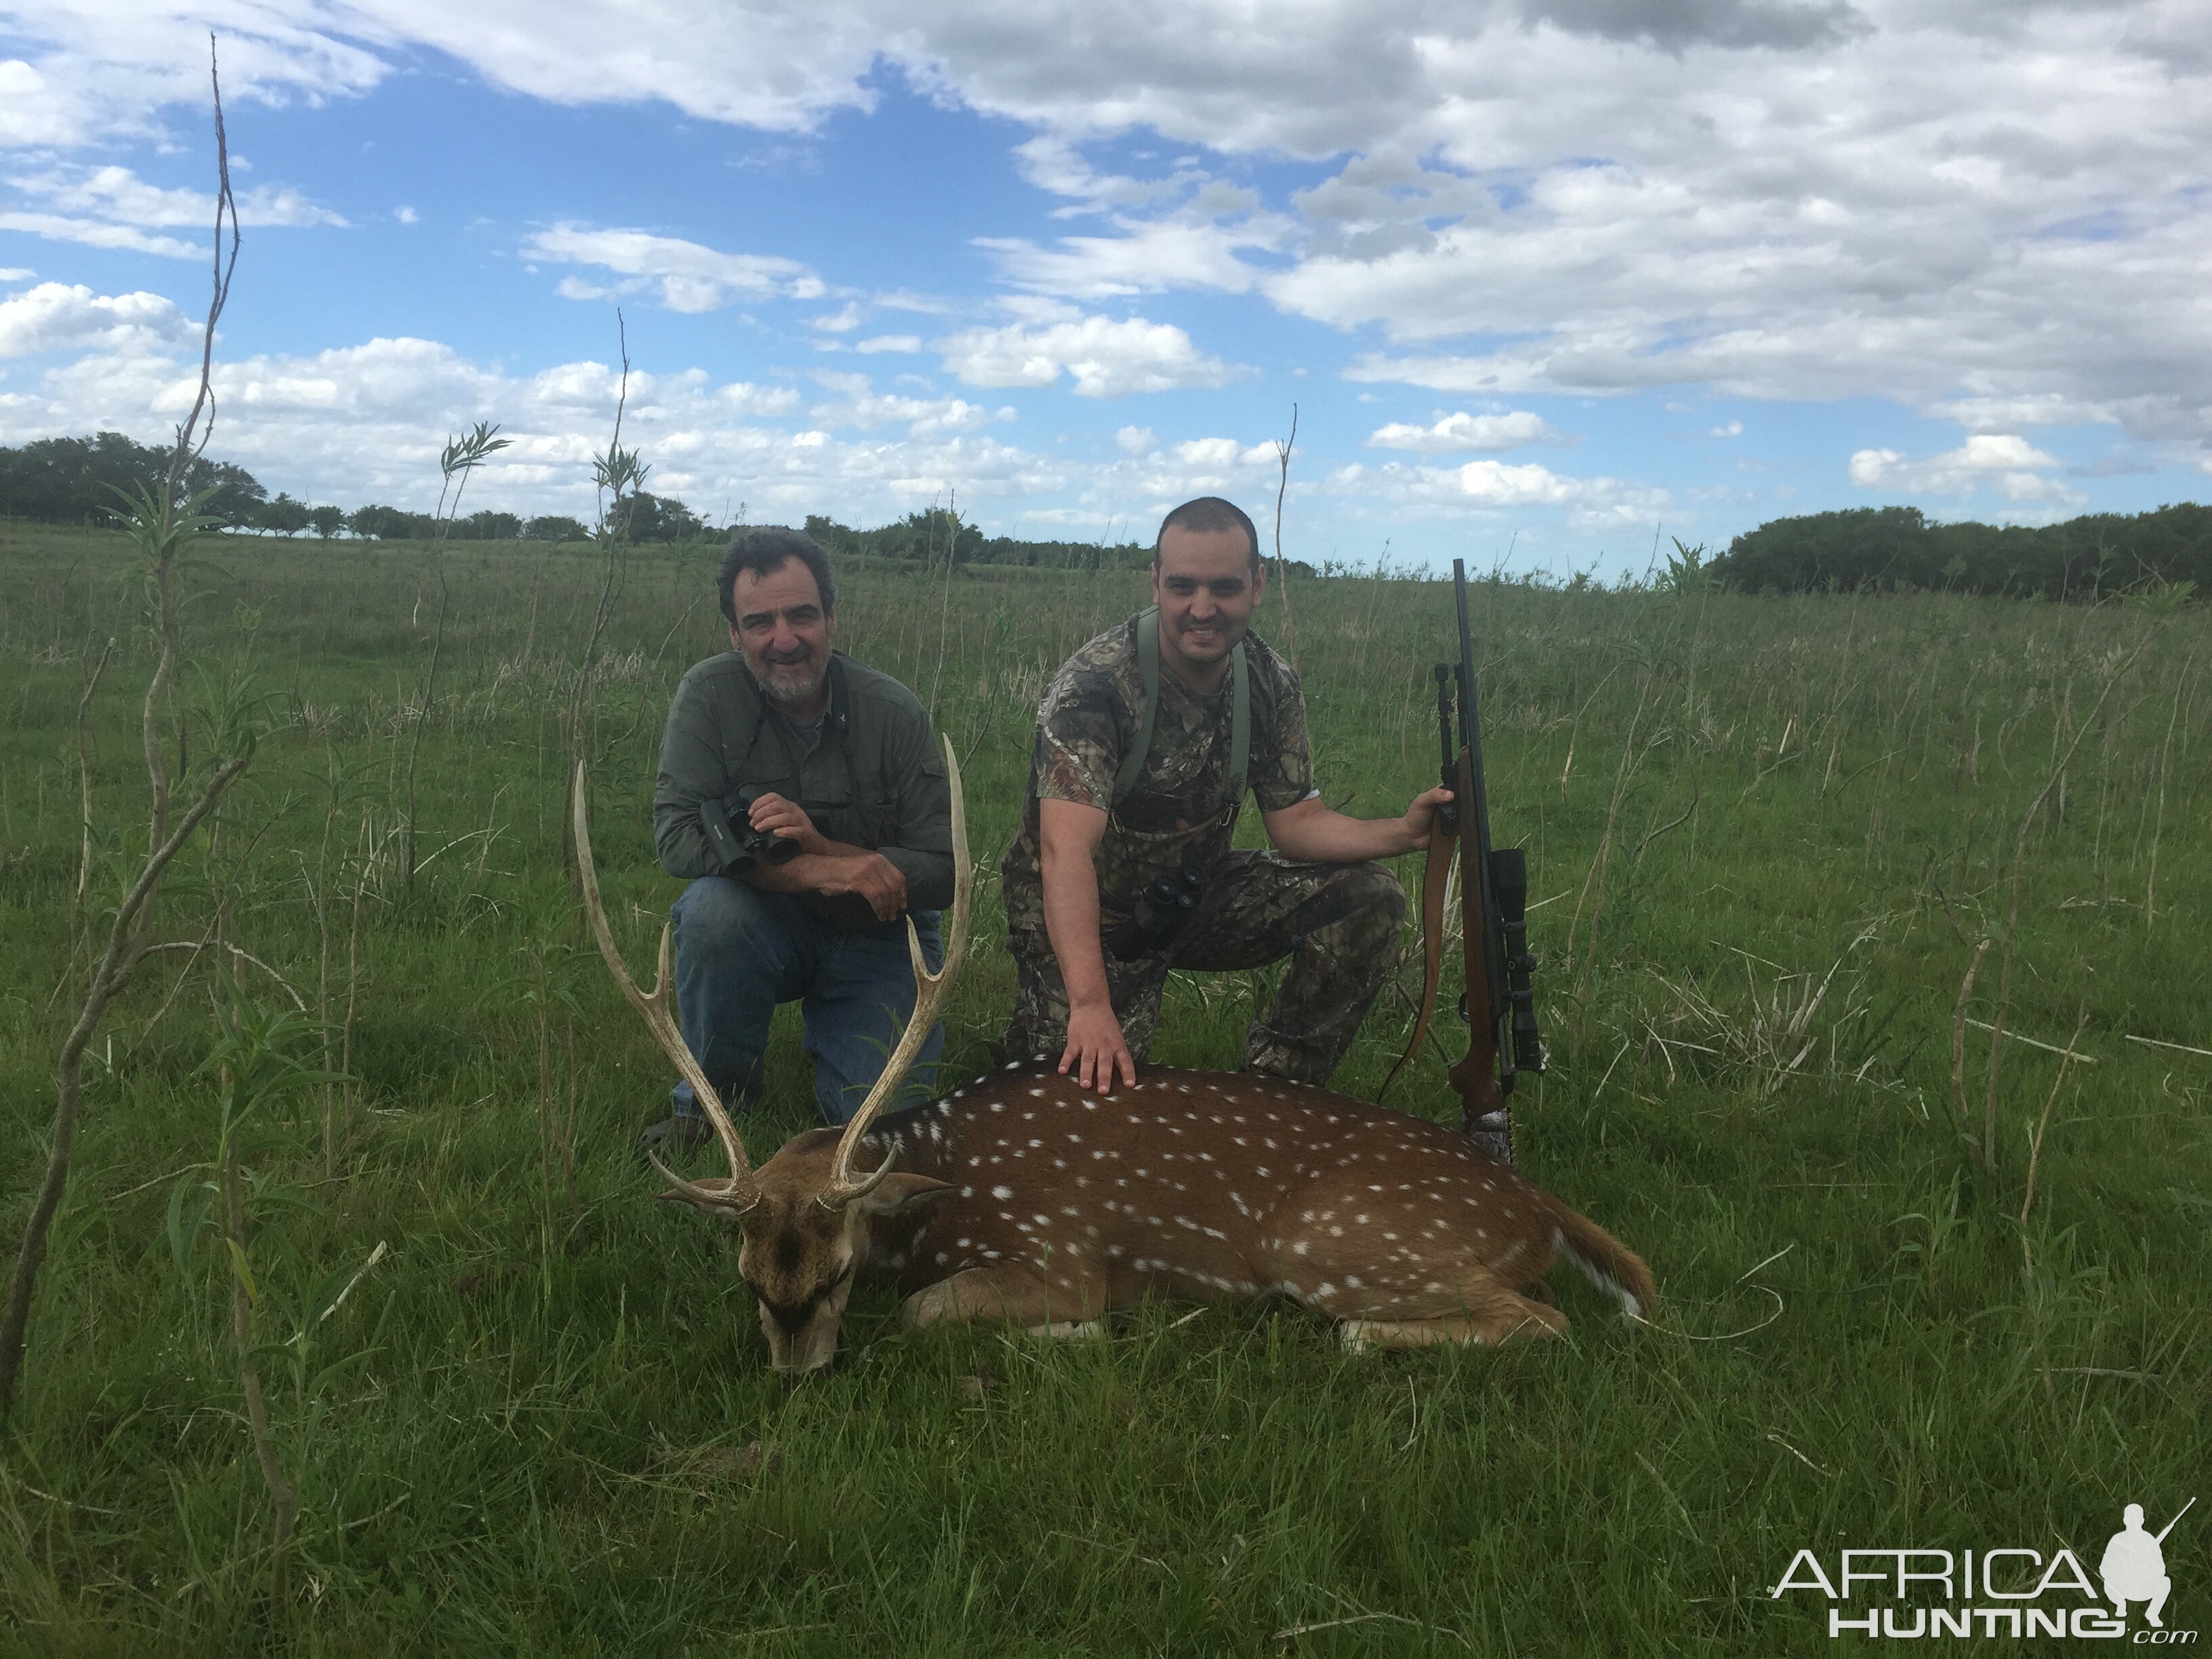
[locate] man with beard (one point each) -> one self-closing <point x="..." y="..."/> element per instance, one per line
<point x="803" y="796"/>
<point x="1145" y="742"/>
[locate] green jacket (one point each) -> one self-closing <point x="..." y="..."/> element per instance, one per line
<point x="875" y="778"/>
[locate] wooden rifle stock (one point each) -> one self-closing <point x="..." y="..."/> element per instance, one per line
<point x="1498" y="1000"/>
<point x="1474" y="1077"/>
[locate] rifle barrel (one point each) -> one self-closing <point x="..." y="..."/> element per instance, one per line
<point x="2176" y="1521"/>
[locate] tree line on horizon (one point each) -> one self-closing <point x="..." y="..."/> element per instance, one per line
<point x="84" y="480"/>
<point x="2083" y="558"/>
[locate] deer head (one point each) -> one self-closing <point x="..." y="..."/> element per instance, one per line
<point x="803" y="1218"/>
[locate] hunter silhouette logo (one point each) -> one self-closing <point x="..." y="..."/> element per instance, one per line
<point x="2008" y="1592"/>
<point x="2134" y="1567"/>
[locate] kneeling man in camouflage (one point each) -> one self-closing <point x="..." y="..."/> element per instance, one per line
<point x="805" y="799"/>
<point x="1122" y="869"/>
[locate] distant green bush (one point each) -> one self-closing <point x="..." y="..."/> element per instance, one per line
<point x="2083" y="558"/>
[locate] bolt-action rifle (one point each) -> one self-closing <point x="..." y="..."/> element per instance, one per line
<point x="1499" y="1007"/>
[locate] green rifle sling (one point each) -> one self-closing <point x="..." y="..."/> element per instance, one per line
<point x="1240" y="712"/>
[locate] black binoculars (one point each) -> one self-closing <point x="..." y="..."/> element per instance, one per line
<point x="729" y="826"/>
<point x="1161" y="913"/>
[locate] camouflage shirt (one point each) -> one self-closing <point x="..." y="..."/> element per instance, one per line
<point x="1178" y="813"/>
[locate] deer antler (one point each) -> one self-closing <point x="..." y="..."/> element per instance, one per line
<point x="931" y="991"/>
<point x="740" y="1194"/>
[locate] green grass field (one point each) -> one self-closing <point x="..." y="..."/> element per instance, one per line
<point x="1767" y="835"/>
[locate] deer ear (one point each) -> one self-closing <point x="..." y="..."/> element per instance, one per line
<point x="895" y="1191"/>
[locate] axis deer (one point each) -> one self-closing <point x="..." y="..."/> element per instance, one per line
<point x="1025" y="1197"/>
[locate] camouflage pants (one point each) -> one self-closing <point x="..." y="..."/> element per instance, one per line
<point x="1338" y="923"/>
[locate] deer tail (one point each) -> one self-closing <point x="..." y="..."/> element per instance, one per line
<point x="1611" y="1266"/>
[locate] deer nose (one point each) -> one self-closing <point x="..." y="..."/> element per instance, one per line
<point x="790" y="1321"/>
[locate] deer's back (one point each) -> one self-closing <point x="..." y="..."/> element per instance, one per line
<point x="1196" y="1183"/>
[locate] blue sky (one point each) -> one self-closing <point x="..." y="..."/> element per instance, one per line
<point x="1556" y="276"/>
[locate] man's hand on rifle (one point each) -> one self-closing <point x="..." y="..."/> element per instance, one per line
<point x="1096" y="1048"/>
<point x="1310" y="832"/>
<point x="1421" y="815"/>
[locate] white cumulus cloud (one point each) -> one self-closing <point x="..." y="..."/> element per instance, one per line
<point x="689" y="276"/>
<point x="1108" y="357"/>
<point x="1464" y="431"/>
<point x="1490" y="487"/>
<point x="54" y="316"/>
<point x="365" y="423"/>
<point x="2005" y="462"/>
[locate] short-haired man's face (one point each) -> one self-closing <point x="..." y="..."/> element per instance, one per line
<point x="783" y="633"/>
<point x="1206" y="585"/>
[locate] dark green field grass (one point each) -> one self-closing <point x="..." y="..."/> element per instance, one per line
<point x="1766" y="836"/>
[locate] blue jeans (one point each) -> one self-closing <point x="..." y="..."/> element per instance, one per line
<point x="739" y="951"/>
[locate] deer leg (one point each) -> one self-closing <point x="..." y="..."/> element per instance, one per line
<point x="1492" y="1315"/>
<point x="1010" y="1292"/>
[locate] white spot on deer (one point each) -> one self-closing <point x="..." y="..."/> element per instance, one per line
<point x="1016" y="1065"/>
<point x="942" y="1258"/>
<point x="1037" y="1094"/>
<point x="998" y="1105"/>
<point x="1001" y="1193"/>
<point x="1324" y="1289"/>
